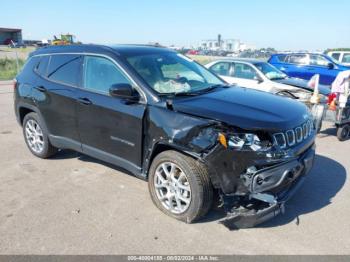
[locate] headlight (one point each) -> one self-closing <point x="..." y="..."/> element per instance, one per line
<point x="248" y="141"/>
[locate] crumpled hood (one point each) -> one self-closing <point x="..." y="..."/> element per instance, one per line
<point x="302" y="83"/>
<point x="245" y="108"/>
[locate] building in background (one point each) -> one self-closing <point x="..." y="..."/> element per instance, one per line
<point x="228" y="45"/>
<point x="8" y="34"/>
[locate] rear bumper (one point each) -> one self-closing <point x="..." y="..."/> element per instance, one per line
<point x="271" y="203"/>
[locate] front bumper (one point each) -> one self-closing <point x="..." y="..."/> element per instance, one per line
<point x="268" y="202"/>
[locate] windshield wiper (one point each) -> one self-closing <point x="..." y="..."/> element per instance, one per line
<point x="210" y="88"/>
<point x="196" y="92"/>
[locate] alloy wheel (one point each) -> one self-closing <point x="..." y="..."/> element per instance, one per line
<point x="34" y="136"/>
<point x="172" y="187"/>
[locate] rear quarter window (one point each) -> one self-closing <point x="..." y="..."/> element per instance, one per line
<point x="64" y="69"/>
<point x="281" y="58"/>
<point x="28" y="68"/>
<point x="41" y="68"/>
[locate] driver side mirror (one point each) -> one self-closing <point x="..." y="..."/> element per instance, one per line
<point x="258" y="79"/>
<point x="330" y="66"/>
<point x="123" y="90"/>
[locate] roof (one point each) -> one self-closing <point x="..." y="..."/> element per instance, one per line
<point x="123" y="50"/>
<point x="297" y="53"/>
<point x="247" y="60"/>
<point x="9" y="30"/>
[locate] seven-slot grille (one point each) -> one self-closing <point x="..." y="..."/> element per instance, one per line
<point x="294" y="136"/>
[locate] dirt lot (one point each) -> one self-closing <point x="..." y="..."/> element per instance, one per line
<point x="73" y="204"/>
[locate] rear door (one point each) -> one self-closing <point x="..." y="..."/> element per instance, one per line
<point x="110" y="128"/>
<point x="223" y="70"/>
<point x="295" y="66"/>
<point x="55" y="95"/>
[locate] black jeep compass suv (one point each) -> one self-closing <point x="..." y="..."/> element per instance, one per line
<point x="167" y="119"/>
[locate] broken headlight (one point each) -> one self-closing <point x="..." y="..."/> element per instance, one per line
<point x="248" y="141"/>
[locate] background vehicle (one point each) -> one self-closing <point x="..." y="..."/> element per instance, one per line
<point x="167" y="119"/>
<point x="260" y="75"/>
<point x="66" y="39"/>
<point x="342" y="57"/>
<point x="252" y="73"/>
<point x="306" y="65"/>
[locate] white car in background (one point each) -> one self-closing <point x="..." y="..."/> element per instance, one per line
<point x="260" y="75"/>
<point x="342" y="57"/>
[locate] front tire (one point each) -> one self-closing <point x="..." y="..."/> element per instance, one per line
<point x="36" y="136"/>
<point x="179" y="186"/>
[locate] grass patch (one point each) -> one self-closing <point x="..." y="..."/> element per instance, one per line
<point x="202" y="59"/>
<point x="8" y="68"/>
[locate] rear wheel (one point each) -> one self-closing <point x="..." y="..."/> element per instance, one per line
<point x="180" y="186"/>
<point x="343" y="132"/>
<point x="36" y="136"/>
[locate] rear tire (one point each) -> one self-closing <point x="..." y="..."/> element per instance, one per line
<point x="180" y="186"/>
<point x="343" y="132"/>
<point x="36" y="136"/>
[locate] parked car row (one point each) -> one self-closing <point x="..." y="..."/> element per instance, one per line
<point x="178" y="125"/>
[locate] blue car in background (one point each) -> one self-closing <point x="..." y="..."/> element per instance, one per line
<point x="305" y="65"/>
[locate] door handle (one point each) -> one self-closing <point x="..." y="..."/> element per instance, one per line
<point x="84" y="101"/>
<point x="41" y="89"/>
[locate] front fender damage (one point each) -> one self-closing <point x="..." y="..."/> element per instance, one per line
<point x="229" y="172"/>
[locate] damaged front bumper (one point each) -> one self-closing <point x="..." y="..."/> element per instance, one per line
<point x="267" y="200"/>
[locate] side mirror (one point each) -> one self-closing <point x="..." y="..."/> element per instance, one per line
<point x="330" y="66"/>
<point x="258" y="79"/>
<point x="122" y="90"/>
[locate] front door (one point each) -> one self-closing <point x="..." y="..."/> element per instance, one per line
<point x="246" y="76"/>
<point x="110" y="128"/>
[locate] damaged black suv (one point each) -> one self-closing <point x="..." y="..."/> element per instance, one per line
<point x="167" y="119"/>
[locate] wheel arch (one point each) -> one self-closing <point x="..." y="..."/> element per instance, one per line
<point x="162" y="147"/>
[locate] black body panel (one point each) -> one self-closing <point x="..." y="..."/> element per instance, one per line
<point x="130" y="133"/>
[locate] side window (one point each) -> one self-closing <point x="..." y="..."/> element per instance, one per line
<point x="281" y="58"/>
<point x="298" y="59"/>
<point x="221" y="68"/>
<point x="336" y="56"/>
<point x="41" y="68"/>
<point x="346" y="58"/>
<point x="101" y="73"/>
<point x="29" y="66"/>
<point x="318" y="60"/>
<point x="64" y="69"/>
<point x="244" y="71"/>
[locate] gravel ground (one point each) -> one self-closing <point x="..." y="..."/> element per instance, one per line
<point x="73" y="204"/>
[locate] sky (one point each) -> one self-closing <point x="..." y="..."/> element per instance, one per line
<point x="284" y="25"/>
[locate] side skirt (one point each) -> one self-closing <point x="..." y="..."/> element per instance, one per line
<point x="66" y="143"/>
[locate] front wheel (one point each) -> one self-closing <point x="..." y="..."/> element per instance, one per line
<point x="180" y="186"/>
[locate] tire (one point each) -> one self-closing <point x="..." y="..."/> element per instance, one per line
<point x="343" y="132"/>
<point x="196" y="180"/>
<point x="32" y="125"/>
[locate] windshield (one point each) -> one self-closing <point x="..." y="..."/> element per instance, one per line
<point x="270" y="71"/>
<point x="172" y="73"/>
